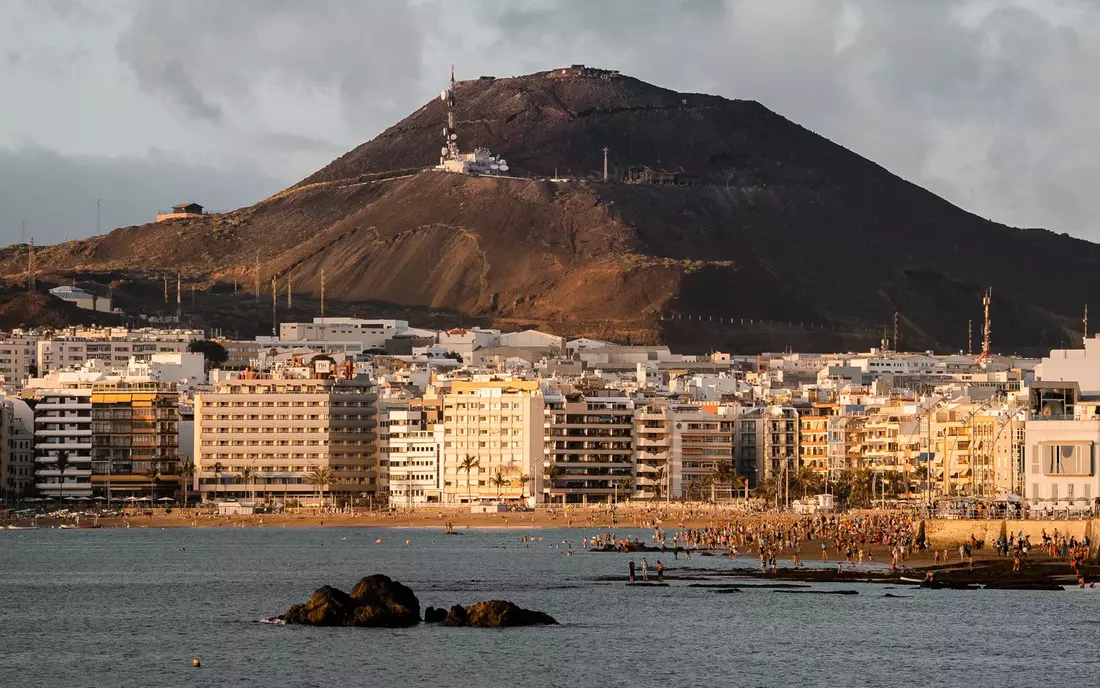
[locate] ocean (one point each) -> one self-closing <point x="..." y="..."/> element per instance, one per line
<point x="133" y="607"/>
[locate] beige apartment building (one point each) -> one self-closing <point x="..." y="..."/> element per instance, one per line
<point x="493" y="428"/>
<point x="17" y="360"/>
<point x="265" y="438"/>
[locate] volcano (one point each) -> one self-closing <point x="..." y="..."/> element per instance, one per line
<point x="720" y="225"/>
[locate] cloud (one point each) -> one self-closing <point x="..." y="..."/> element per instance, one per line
<point x="57" y="194"/>
<point x="989" y="103"/>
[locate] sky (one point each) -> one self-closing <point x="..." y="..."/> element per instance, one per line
<point x="131" y="106"/>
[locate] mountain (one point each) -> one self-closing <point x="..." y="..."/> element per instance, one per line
<point x="760" y="235"/>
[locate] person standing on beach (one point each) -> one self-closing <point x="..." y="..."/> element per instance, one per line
<point x="631" y="570"/>
<point x="645" y="569"/>
<point x="660" y="571"/>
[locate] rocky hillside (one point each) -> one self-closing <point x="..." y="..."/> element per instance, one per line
<point x="781" y="238"/>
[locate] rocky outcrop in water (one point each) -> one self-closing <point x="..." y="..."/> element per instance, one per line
<point x="496" y="614"/>
<point x="376" y="601"/>
<point x="434" y="615"/>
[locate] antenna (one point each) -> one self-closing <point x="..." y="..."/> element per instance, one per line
<point x="450" y="136"/>
<point x="165" y="291"/>
<point x="32" y="267"/>
<point x="289" y="294"/>
<point x="179" y="289"/>
<point x="986" y="324"/>
<point x="322" y="292"/>
<point x="605" y="163"/>
<point x="274" y="307"/>
<point x="969" y="337"/>
<point x="1086" y="323"/>
<point x="896" y="349"/>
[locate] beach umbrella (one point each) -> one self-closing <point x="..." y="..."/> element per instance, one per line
<point x="99" y="499"/>
<point x="131" y="498"/>
<point x="70" y="499"/>
<point x="166" y="499"/>
<point x="146" y="499"/>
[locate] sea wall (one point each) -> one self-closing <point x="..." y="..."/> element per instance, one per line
<point x="951" y="533"/>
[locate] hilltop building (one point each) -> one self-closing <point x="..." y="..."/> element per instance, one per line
<point x="182" y="210"/>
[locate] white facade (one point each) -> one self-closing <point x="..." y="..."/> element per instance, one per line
<point x="370" y="334"/>
<point x="1062" y="431"/>
<point x="187" y="368"/>
<point x="410" y="448"/>
<point x="63" y="427"/>
<point x="17" y="358"/>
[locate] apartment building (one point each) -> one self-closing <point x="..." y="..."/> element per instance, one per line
<point x="492" y="427"/>
<point x="657" y="473"/>
<point x="271" y="438"/>
<point x="135" y="440"/>
<point x="1062" y="431"/>
<point x="589" y="446"/>
<point x="370" y="334"/>
<point x="112" y="346"/>
<point x="16" y="449"/>
<point x="63" y="442"/>
<point x="813" y="435"/>
<point x="17" y="360"/>
<point x="410" y="447"/>
<point x="703" y="440"/>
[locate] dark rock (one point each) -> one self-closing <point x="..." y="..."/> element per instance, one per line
<point x="500" y="614"/>
<point x="327" y="606"/>
<point x="375" y="601"/>
<point x="456" y="617"/>
<point x="496" y="614"/>
<point x="434" y="615"/>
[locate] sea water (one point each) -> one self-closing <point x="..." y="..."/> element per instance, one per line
<point x="133" y="607"/>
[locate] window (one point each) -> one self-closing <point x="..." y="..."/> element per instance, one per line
<point x="1067" y="459"/>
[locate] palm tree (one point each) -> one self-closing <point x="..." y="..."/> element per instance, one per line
<point x="740" y="481"/>
<point x="246" y="475"/>
<point x="153" y="474"/>
<point x="62" y="464"/>
<point x="187" y="471"/>
<point x="523" y="480"/>
<point x="321" y="476"/>
<point x="553" y="473"/>
<point x="217" y="476"/>
<point x="658" y="481"/>
<point x="468" y="464"/>
<point x="724" y="474"/>
<point x="707" y="481"/>
<point x="692" y="487"/>
<point x="498" y="482"/>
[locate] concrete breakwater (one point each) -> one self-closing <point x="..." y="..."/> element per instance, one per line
<point x="944" y="532"/>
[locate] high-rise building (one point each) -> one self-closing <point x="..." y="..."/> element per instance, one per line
<point x="16" y="449"/>
<point x="63" y="442"/>
<point x="493" y="430"/>
<point x="307" y="436"/>
<point x="410" y="444"/>
<point x="589" y="444"/>
<point x="135" y="440"/>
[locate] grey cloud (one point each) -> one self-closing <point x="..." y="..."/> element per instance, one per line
<point x="57" y="194"/>
<point x="368" y="54"/>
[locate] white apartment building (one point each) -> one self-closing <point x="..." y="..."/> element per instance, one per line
<point x="264" y="438"/>
<point x="589" y="443"/>
<point x="114" y="348"/>
<point x="410" y="448"/>
<point x="494" y="427"/>
<point x="16" y="449"/>
<point x="63" y="442"/>
<point x="370" y="334"/>
<point x="681" y="446"/>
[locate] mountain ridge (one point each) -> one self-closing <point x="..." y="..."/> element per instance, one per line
<point x="770" y="222"/>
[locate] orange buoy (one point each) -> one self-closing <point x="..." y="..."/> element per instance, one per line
<point x="408" y="542"/>
<point x="196" y="663"/>
<point x="378" y="541"/>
